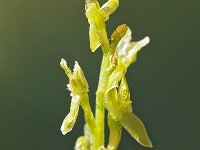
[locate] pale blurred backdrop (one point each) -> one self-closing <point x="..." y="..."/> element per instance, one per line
<point x="164" y="82"/>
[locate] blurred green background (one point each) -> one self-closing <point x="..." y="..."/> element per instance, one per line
<point x="35" y="34"/>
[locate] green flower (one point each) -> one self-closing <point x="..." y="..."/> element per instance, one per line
<point x="78" y="87"/>
<point x="96" y="18"/>
<point x="118" y="104"/>
<point x="125" y="52"/>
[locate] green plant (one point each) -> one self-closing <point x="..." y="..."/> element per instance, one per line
<point x="113" y="92"/>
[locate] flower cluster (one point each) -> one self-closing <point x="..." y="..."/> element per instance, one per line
<point x="113" y="93"/>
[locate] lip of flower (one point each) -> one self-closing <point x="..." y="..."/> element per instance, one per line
<point x="70" y="119"/>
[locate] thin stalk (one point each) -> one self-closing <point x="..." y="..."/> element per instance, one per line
<point x="100" y="113"/>
<point x="88" y="115"/>
<point x="103" y="80"/>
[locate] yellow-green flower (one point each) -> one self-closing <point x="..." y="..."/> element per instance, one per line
<point x="78" y="86"/>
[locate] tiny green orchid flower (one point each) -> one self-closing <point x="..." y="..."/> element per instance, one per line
<point x="96" y="18"/>
<point x="78" y="86"/>
<point x="119" y="107"/>
<point x="125" y="52"/>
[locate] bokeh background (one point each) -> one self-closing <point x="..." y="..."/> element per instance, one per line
<point x="36" y="34"/>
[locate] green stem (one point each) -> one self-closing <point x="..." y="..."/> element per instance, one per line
<point x="102" y="85"/>
<point x="88" y="115"/>
<point x="115" y="133"/>
<point x="103" y="80"/>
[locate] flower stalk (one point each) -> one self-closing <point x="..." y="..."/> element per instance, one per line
<point x="112" y="93"/>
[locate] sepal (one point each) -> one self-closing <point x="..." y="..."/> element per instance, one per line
<point x="127" y="50"/>
<point x="92" y="13"/>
